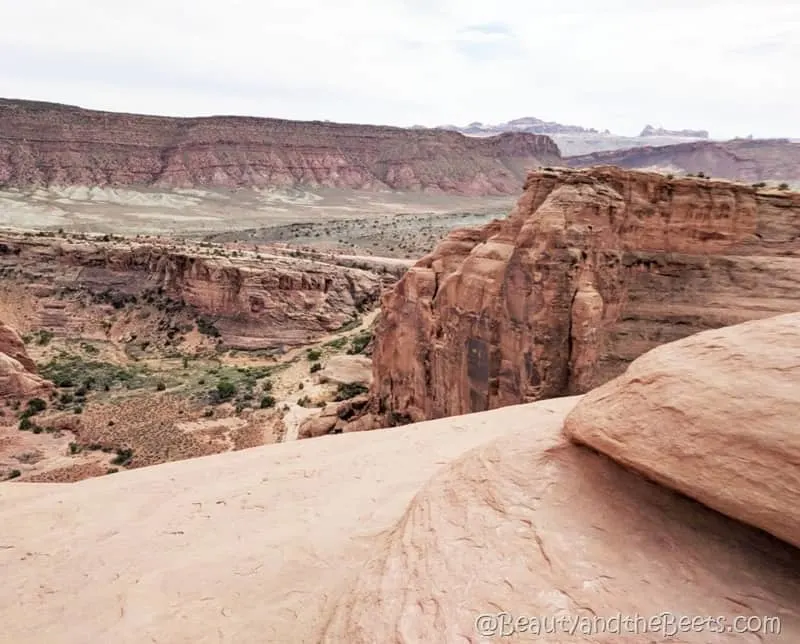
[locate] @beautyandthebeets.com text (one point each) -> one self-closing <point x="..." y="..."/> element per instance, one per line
<point x="664" y="624"/>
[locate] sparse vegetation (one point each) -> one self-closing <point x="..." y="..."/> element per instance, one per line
<point x="225" y="390"/>
<point x="360" y="342"/>
<point x="66" y="370"/>
<point x="124" y="456"/>
<point x="313" y="355"/>
<point x="43" y="337"/>
<point x="13" y="474"/>
<point x="783" y="186"/>
<point x="36" y="405"/>
<point x="207" y="327"/>
<point x="267" y="402"/>
<point x="352" y="323"/>
<point x="315" y="367"/>
<point x="345" y="391"/>
<point x="338" y="343"/>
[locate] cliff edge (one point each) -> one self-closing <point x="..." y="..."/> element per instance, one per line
<point x="591" y="269"/>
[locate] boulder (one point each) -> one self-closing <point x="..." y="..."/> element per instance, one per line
<point x="714" y="416"/>
<point x="552" y="542"/>
<point x="18" y="377"/>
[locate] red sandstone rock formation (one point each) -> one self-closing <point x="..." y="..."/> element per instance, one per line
<point x="18" y="378"/>
<point x="713" y="416"/>
<point x="252" y="302"/>
<point x="590" y="270"/>
<point x="740" y="159"/>
<point x="45" y="143"/>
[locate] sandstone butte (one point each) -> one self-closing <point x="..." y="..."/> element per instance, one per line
<point x="740" y="159"/>
<point x="50" y="144"/>
<point x="406" y="535"/>
<point x="591" y="269"/>
<point x="18" y="377"/>
<point x="262" y="302"/>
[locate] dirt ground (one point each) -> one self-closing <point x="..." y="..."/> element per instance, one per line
<point x="110" y="413"/>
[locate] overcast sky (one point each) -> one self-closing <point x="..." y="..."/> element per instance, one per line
<point x="729" y="66"/>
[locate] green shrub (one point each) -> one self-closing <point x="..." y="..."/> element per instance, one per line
<point x="314" y="355"/>
<point x="25" y="424"/>
<point x="315" y="367"/>
<point x="783" y="186"/>
<point x="161" y="386"/>
<point x="348" y="390"/>
<point x="267" y="402"/>
<point x="123" y="457"/>
<point x="36" y="405"/>
<point x="338" y="343"/>
<point x="360" y="342"/>
<point x="206" y="327"/>
<point x="225" y="390"/>
<point x="44" y="337"/>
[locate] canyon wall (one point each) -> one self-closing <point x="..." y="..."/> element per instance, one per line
<point x="591" y="269"/>
<point x="74" y="287"/>
<point x="51" y="144"/>
<point x="739" y="159"/>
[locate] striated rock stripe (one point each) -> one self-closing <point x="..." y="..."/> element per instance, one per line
<point x="51" y="144"/>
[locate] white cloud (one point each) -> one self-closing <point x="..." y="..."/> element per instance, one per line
<point x="728" y="66"/>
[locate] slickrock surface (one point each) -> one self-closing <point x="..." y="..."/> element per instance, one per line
<point x="51" y="144"/>
<point x="18" y="377"/>
<point x="404" y="535"/>
<point x="740" y="159"/>
<point x="591" y="269"/>
<point x="253" y="301"/>
<point x="713" y="416"/>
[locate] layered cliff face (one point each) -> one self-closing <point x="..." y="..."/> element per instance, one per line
<point x="50" y="144"/>
<point x="590" y="270"/>
<point x="739" y="159"/>
<point x="18" y="377"/>
<point x="249" y="301"/>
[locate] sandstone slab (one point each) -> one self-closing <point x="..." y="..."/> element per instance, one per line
<point x="713" y="416"/>
<point x="346" y="369"/>
<point x="425" y="528"/>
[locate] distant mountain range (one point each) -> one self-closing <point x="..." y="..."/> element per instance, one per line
<point x="575" y="139"/>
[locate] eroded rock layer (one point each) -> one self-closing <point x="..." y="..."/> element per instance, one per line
<point x="18" y="377"/>
<point x="591" y="269"/>
<point x="51" y="144"/>
<point x="248" y="302"/>
<point x="740" y="159"/>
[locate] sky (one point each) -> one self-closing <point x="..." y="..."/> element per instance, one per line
<point x="729" y="66"/>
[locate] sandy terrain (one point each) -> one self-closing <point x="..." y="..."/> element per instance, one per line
<point x="199" y="212"/>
